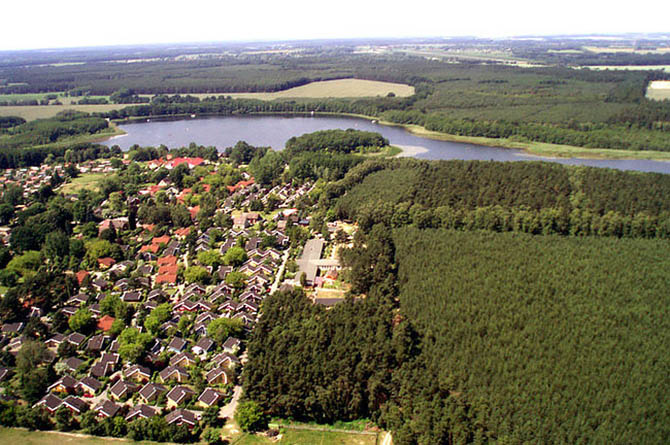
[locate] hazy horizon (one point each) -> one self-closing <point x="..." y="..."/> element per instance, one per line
<point x="70" y="24"/>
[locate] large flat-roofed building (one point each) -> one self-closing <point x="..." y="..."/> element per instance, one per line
<point x="310" y="259"/>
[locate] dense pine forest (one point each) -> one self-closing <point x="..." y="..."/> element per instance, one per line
<point x="564" y="344"/>
<point x="531" y="197"/>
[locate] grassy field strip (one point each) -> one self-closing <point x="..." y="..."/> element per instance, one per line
<point x="21" y="436"/>
<point x="629" y="67"/>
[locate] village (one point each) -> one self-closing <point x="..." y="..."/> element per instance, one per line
<point x="162" y="311"/>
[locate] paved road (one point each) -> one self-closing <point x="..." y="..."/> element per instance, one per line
<point x="229" y="410"/>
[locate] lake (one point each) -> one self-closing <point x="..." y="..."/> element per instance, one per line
<point x="275" y="130"/>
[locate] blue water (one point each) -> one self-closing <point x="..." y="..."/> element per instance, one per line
<point x="274" y="131"/>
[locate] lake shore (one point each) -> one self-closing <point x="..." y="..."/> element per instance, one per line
<point x="409" y="151"/>
<point x="531" y="148"/>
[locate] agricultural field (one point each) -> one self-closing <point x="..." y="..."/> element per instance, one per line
<point x="658" y="90"/>
<point x="33" y="112"/>
<point x="628" y="49"/>
<point x="340" y="88"/>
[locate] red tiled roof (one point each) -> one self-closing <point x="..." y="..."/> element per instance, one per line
<point x="161" y="240"/>
<point x="153" y="248"/>
<point x="170" y="260"/>
<point x="107" y="262"/>
<point x="105" y="322"/>
<point x="166" y="279"/>
<point x="183" y="232"/>
<point x="168" y="269"/>
<point x="81" y="275"/>
<point x="194" y="211"/>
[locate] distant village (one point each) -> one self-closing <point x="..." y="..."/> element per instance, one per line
<point x="159" y="328"/>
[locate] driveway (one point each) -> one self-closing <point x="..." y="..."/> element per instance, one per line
<point x="229" y="410"/>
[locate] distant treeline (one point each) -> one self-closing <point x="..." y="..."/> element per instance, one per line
<point x="531" y="197"/>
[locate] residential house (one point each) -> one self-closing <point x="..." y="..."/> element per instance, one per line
<point x="65" y="384"/>
<point x="122" y="389"/>
<point x="151" y="391"/>
<point x="176" y="373"/>
<point x="140" y="412"/>
<point x="182" y="417"/>
<point x="107" y="408"/>
<point x="178" y="395"/>
<point x="203" y="346"/>
<point x="88" y="386"/>
<point x="75" y="404"/>
<point x="182" y="359"/>
<point x="138" y="373"/>
<point x="209" y="397"/>
<point x="177" y="344"/>
<point x="50" y="402"/>
<point x="217" y="375"/>
<point x="231" y="345"/>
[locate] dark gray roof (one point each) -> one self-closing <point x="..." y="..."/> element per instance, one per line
<point x="107" y="408"/>
<point x="140" y="411"/>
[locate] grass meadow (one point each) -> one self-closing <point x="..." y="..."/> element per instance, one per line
<point x="87" y="181"/>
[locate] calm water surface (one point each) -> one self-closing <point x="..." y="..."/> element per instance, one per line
<point x="274" y="131"/>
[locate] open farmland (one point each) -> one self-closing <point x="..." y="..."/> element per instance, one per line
<point x="340" y="88"/>
<point x="658" y="90"/>
<point x="32" y="112"/>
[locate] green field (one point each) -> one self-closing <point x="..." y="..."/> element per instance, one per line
<point x="301" y="437"/>
<point x="88" y="181"/>
<point x="289" y="437"/>
<point x="306" y="437"/>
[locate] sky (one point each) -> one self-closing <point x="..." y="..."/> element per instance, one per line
<point x="32" y="24"/>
